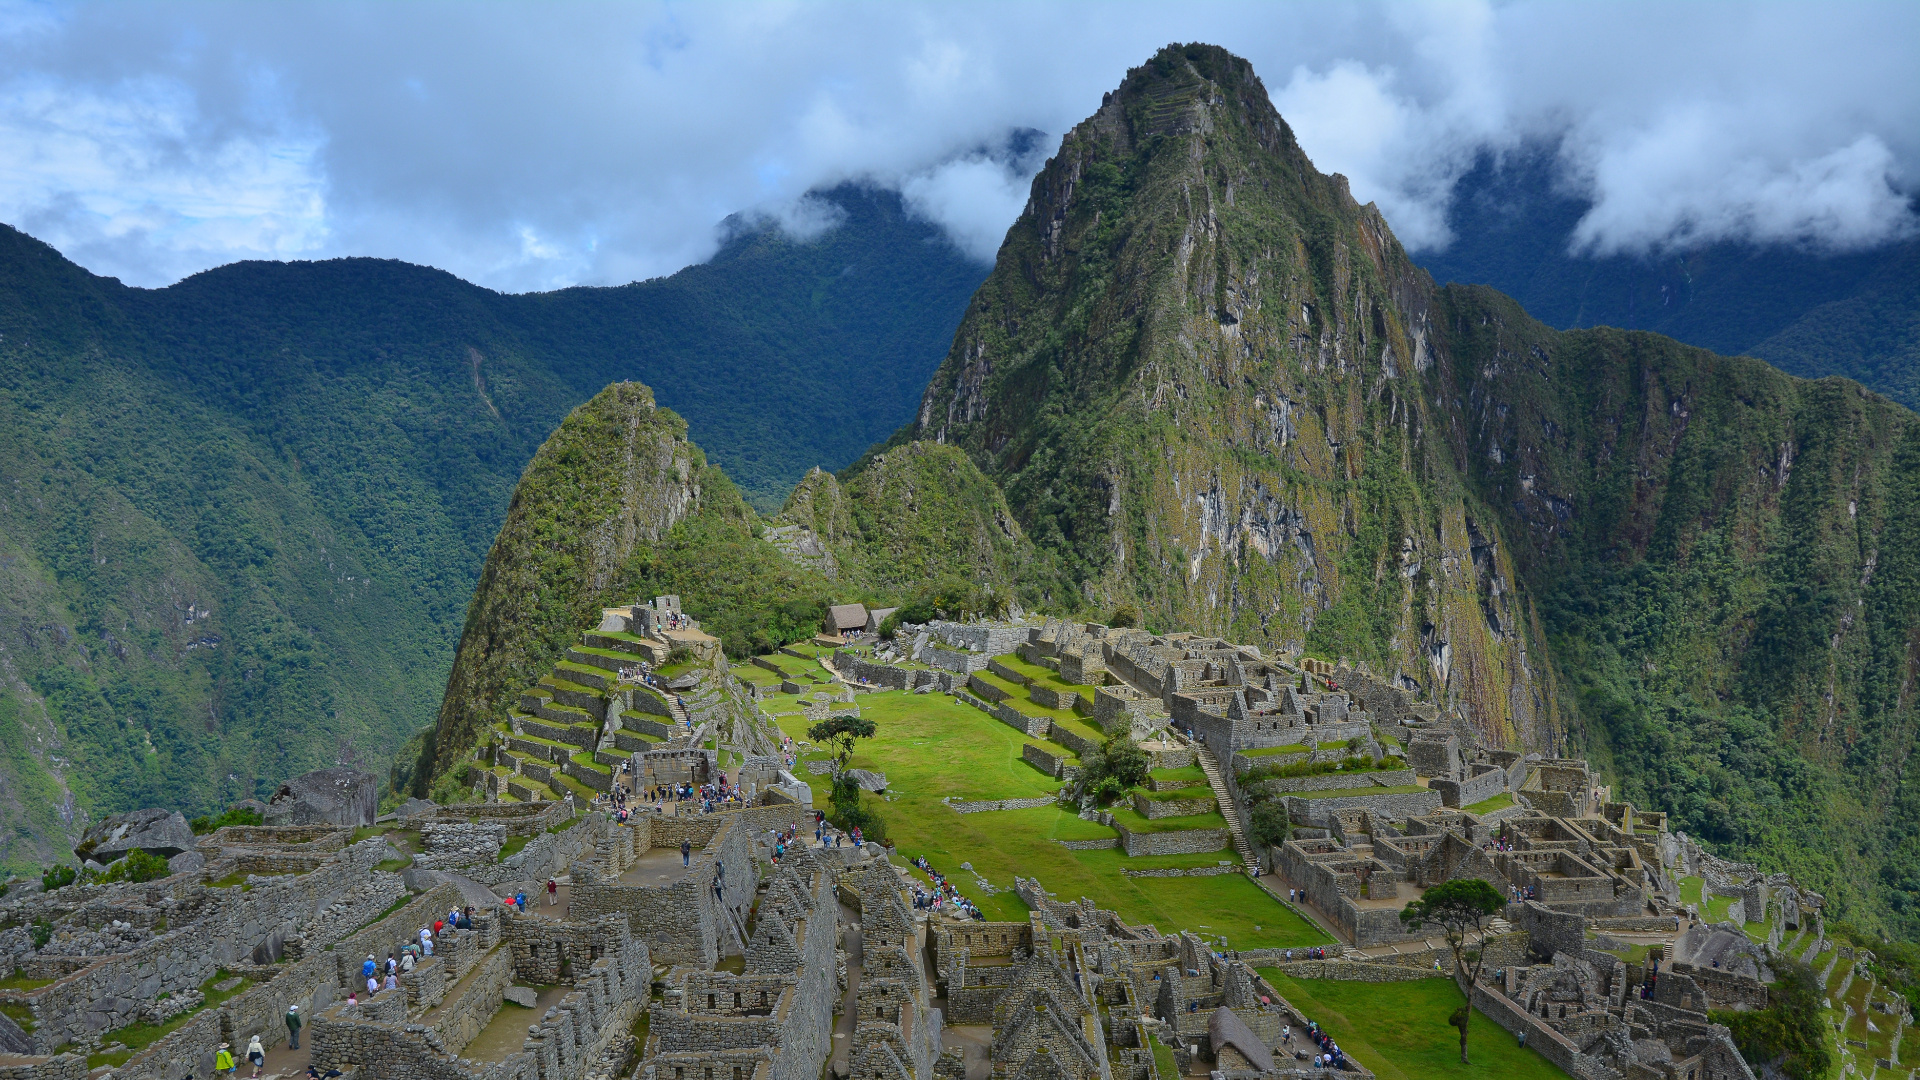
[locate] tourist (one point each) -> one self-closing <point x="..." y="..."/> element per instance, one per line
<point x="406" y="960"/>
<point x="223" y="1062"/>
<point x="352" y="999"/>
<point x="256" y="1054"/>
<point x="553" y="892"/>
<point x="392" y="964"/>
<point x="519" y="899"/>
<point x="366" y="969"/>
<point x="293" y="1027"/>
<point x="373" y="985"/>
<point x="426" y="940"/>
<point x="686" y="853"/>
<point x="391" y="983"/>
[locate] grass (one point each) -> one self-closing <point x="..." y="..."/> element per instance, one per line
<point x="1690" y="889"/>
<point x="19" y="1013"/>
<point x="1130" y="818"/>
<point x="584" y="759"/>
<point x="1193" y="774"/>
<point x="228" y="882"/>
<point x="1714" y="908"/>
<point x="512" y="847"/>
<point x="1046" y="677"/>
<point x="1348" y="793"/>
<point x="1488" y="806"/>
<point x="1269" y="751"/>
<point x="402" y="901"/>
<point x="1400" y="1031"/>
<point x="1200" y="791"/>
<point x="1163" y="1059"/>
<point x="931" y="746"/>
<point x="565" y="825"/>
<point x="18" y="981"/>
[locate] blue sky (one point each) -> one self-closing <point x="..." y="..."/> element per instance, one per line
<point x="531" y="146"/>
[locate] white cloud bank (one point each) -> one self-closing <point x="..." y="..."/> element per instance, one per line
<point x="534" y="146"/>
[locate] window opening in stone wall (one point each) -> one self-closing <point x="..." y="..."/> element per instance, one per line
<point x="710" y="1002"/>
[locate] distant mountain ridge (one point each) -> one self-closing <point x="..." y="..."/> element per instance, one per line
<point x="1807" y="312"/>
<point x="241" y="518"/>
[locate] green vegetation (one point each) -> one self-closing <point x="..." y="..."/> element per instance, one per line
<point x="1488" y="806"/>
<point x="1399" y="1029"/>
<point x="1129" y="818"/>
<point x="1788" y="1034"/>
<point x="55" y="877"/>
<point x="137" y="866"/>
<point x="17" y="981"/>
<point x="1351" y="764"/>
<point x="1120" y="764"/>
<point x="233" y="816"/>
<point x="513" y="846"/>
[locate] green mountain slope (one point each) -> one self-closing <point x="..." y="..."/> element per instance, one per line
<point x="241" y="518"/>
<point x="1208" y="381"/>
<point x="1812" y="314"/>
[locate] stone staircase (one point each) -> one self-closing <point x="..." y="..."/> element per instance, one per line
<point x="1235" y="829"/>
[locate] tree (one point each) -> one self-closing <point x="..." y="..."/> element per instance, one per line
<point x="1110" y="771"/>
<point x="840" y="732"/>
<point x="1459" y="907"/>
<point x="1124" y="617"/>
<point x="1270" y="825"/>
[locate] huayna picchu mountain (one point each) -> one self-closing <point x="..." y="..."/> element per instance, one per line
<point x="1212" y="385"/>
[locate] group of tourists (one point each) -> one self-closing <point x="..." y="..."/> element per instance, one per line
<point x="1516" y="893"/>
<point x="779" y="839"/>
<point x="1315" y="953"/>
<point x="1328" y="1054"/>
<point x="942" y="898"/>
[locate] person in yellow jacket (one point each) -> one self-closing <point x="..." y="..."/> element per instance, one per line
<point x="223" y="1061"/>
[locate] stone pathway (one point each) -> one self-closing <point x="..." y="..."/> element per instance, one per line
<point x="1211" y="766"/>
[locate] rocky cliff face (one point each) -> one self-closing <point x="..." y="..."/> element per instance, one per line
<point x="1208" y="381"/>
<point x="611" y="480"/>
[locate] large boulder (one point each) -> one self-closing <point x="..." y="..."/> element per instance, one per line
<point x="157" y="832"/>
<point x="875" y="782"/>
<point x="339" y="796"/>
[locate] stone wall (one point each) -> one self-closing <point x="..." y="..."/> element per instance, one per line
<point x="1459" y="793"/>
<point x="463" y="1016"/>
<point x="1317" y="812"/>
<point x="1283" y="785"/>
<point x="1179" y="842"/>
<point x="1046" y="761"/>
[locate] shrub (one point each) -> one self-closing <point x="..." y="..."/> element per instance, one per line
<point x="41" y="933"/>
<point x="55" y="877"/>
<point x="234" y="816"/>
<point x="1115" y="767"/>
<point x="139" y="866"/>
<point x="1269" y="823"/>
<point x="1124" y="617"/>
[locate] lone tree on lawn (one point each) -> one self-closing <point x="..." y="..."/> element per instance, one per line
<point x="1460" y="907"/>
<point x="841" y="732"/>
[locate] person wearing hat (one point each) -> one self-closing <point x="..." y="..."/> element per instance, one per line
<point x="366" y="969"/>
<point x="257" y="1054"/>
<point x="223" y="1061"/>
<point x="293" y="1027"/>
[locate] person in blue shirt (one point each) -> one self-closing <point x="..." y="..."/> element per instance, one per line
<point x="366" y="969"/>
<point x="520" y="900"/>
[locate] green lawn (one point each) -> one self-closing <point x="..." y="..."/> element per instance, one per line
<point x="1269" y="751"/>
<point x="1046" y="677"/>
<point x="1199" y="791"/>
<point x="1134" y="823"/>
<point x="1690" y="889"/>
<point x="931" y="746"/>
<point x="1400" y="1031"/>
<point x="1488" y="806"/>
<point x="1192" y="774"/>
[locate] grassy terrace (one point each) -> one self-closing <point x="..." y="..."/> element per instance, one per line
<point x="1018" y="700"/>
<point x="1192" y="774"/>
<point x="1400" y="1031"/>
<point x="1488" y="806"/>
<point x="1198" y="791"/>
<point x="1270" y="751"/>
<point x="931" y="746"/>
<point x="137" y="1037"/>
<point x="1045" y="676"/>
<point x="584" y="759"/>
<point x="1129" y="818"/>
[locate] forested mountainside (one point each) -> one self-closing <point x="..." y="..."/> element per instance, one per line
<point x="1809" y="312"/>
<point x="241" y="518"/>
<point x="1212" y="384"/>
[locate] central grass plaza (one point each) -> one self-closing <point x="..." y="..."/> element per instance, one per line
<point x="932" y="747"/>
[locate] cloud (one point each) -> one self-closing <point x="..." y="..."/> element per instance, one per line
<point x="534" y="146"/>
